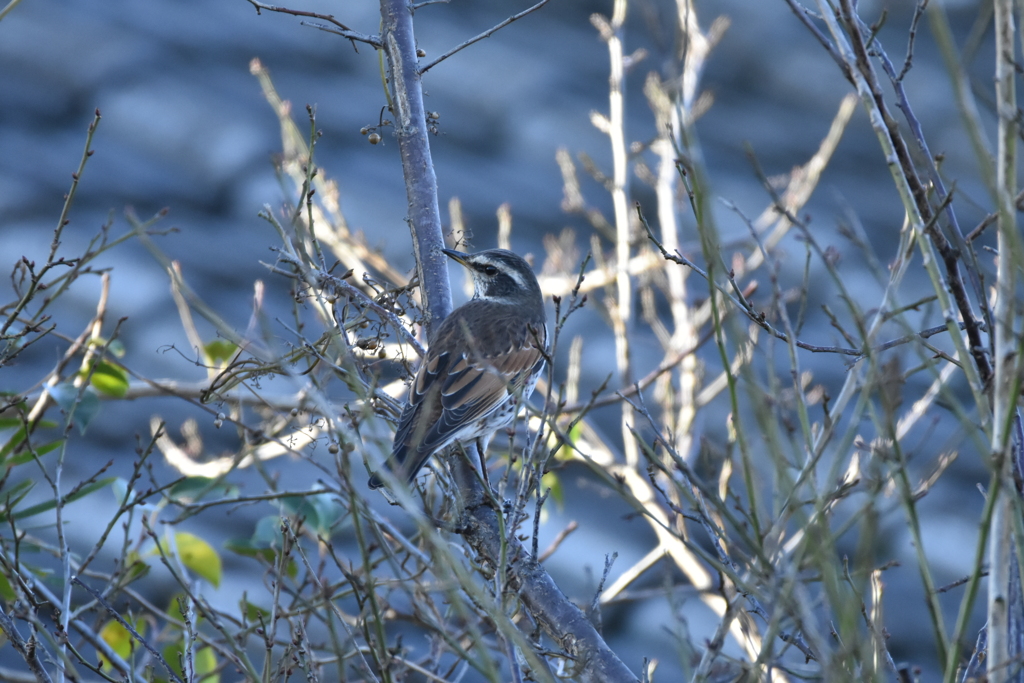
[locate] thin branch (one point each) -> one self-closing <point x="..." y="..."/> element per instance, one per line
<point x="761" y="321"/>
<point x="361" y="298"/>
<point x="6" y="10"/>
<point x="670" y="363"/>
<point x="803" y="14"/>
<point x="354" y="36"/>
<point x="342" y="30"/>
<point x="131" y="629"/>
<point x="486" y="34"/>
<point x="990" y="219"/>
<point x="714" y="535"/>
<point x="27" y="649"/>
<point x="909" y="60"/>
<point x="959" y="582"/>
<point x="960" y="248"/>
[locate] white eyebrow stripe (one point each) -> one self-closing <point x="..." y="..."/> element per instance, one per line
<point x="516" y="275"/>
<point x="505" y="268"/>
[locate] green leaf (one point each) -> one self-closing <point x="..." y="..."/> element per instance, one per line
<point x="51" y="504"/>
<point x="110" y="379"/>
<point x="320" y="511"/>
<point x="220" y="351"/>
<point x="174" y="609"/>
<point x="328" y="512"/>
<point x="11" y="422"/>
<point x="116" y="349"/>
<point x="172" y="655"/>
<point x="205" y="662"/>
<point x="14" y="494"/>
<point x="199" y="556"/>
<point x="82" y="409"/>
<point x="39" y="450"/>
<point x="265" y="544"/>
<point x="206" y="666"/>
<point x="16" y="438"/>
<point x="245" y="548"/>
<point x="268" y="533"/>
<point x="6" y="592"/>
<point x="552" y="481"/>
<point x="253" y="612"/>
<point x="120" y="640"/>
<point x="566" y="453"/>
<point x="300" y="508"/>
<point x="137" y="568"/>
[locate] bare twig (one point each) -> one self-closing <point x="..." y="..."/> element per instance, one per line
<point x="489" y="32"/>
<point x="26" y="648"/>
<point x="131" y="629"/>
<point x="341" y="29"/>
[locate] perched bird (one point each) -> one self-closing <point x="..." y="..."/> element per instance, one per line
<point x="482" y="361"/>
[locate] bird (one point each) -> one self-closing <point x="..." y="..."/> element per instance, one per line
<point x="482" y="362"/>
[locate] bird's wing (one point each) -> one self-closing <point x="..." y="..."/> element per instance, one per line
<point x="423" y="407"/>
<point x="475" y="387"/>
<point x="454" y="389"/>
<point x="421" y="411"/>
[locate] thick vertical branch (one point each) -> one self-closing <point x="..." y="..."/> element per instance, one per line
<point x="1002" y="599"/>
<point x="417" y="165"/>
<point x="549" y="607"/>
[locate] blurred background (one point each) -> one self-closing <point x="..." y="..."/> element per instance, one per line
<point x="185" y="127"/>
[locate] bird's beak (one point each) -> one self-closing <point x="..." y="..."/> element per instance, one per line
<point x="457" y="256"/>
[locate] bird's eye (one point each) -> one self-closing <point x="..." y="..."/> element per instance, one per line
<point x="490" y="271"/>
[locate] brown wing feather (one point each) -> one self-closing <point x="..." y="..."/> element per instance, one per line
<point x="487" y="382"/>
<point x="455" y="387"/>
<point x="422" y="410"/>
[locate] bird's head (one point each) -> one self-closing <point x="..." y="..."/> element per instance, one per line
<point x="499" y="275"/>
